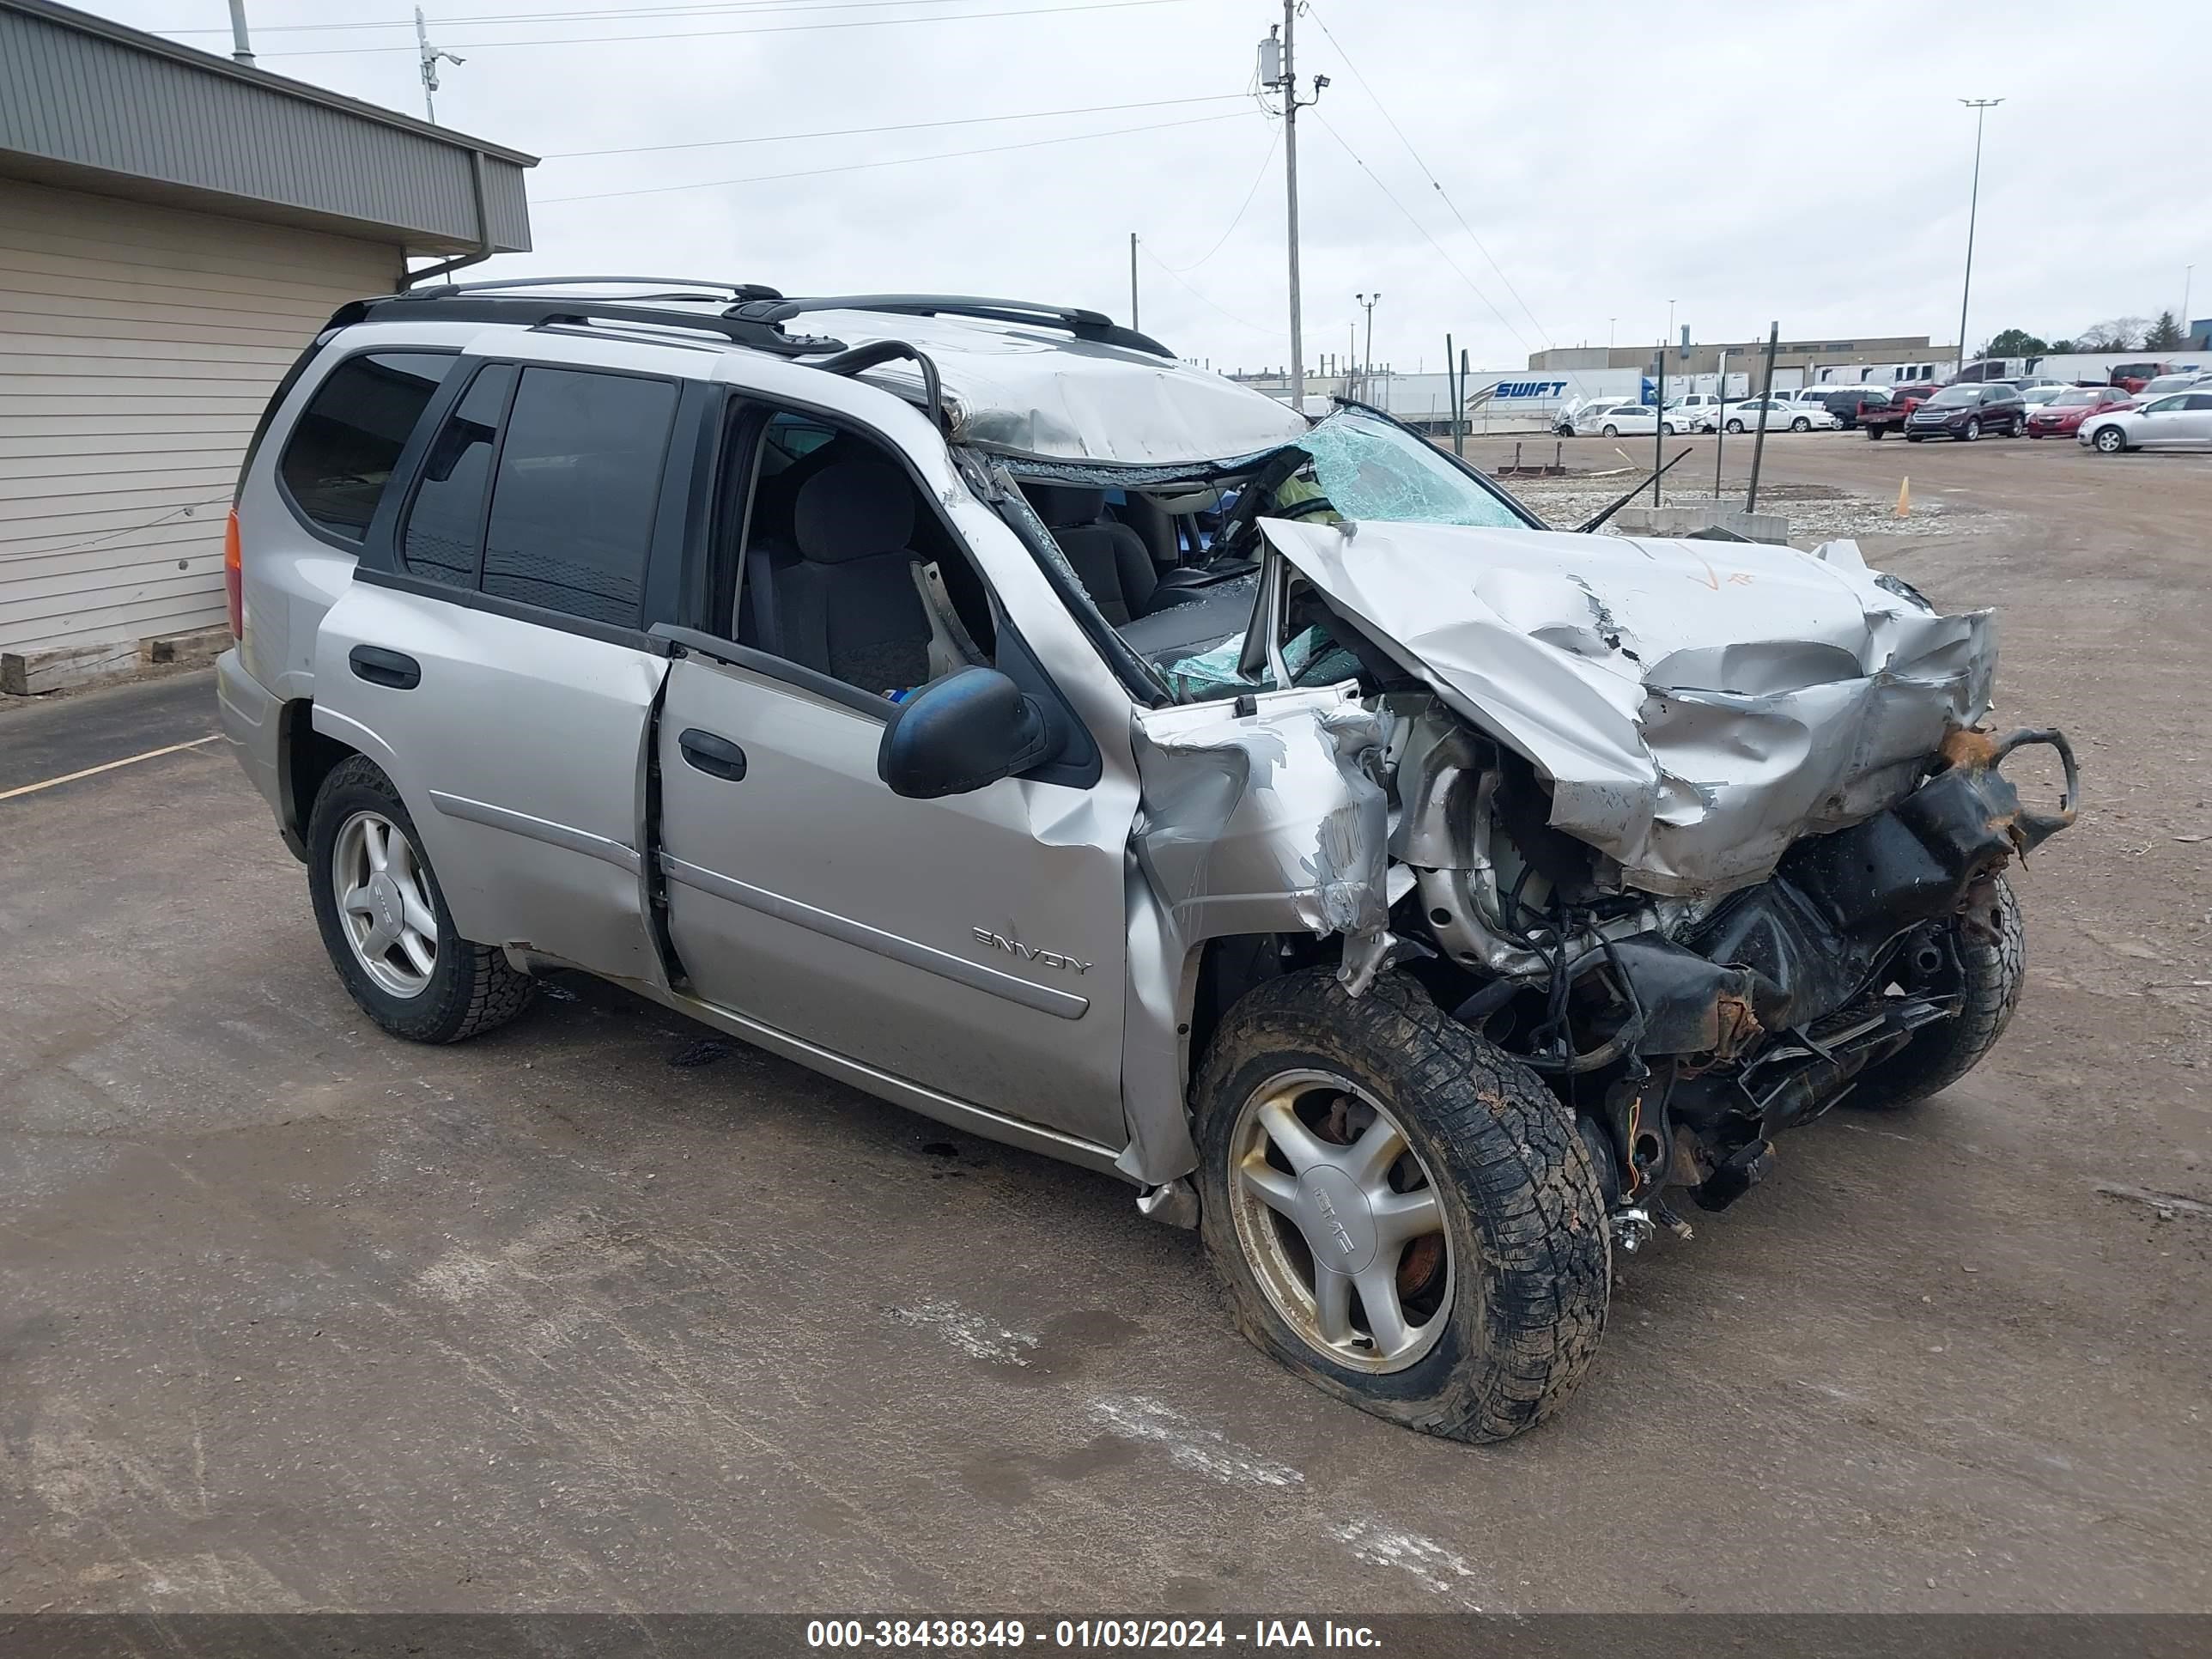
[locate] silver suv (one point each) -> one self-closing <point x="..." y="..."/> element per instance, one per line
<point x="968" y="700"/>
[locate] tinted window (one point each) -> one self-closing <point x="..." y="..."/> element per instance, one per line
<point x="341" y="454"/>
<point x="579" y="478"/>
<point x="446" y="522"/>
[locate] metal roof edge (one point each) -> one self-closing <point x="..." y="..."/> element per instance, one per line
<point x="85" y="22"/>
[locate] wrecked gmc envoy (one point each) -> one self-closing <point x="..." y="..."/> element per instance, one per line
<point x="965" y="699"/>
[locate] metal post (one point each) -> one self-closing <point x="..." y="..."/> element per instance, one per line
<point x="242" y="49"/>
<point x="1658" y="421"/>
<point x="1458" y="419"/>
<point x="1758" y="444"/>
<point x="1980" y="105"/>
<point x="1290" y="186"/>
<point x="1720" y="426"/>
<point x="429" y="68"/>
<point x="1133" y="323"/>
<point x="1367" y="356"/>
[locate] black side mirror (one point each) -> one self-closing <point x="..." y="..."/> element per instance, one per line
<point x="959" y="733"/>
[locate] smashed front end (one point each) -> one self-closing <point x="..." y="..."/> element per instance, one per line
<point x="1697" y="830"/>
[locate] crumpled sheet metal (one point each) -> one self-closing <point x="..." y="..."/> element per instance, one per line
<point x="1269" y="822"/>
<point x="1035" y="392"/>
<point x="1697" y="706"/>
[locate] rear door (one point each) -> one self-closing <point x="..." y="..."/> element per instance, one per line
<point x="490" y="652"/>
<point x="2196" y="416"/>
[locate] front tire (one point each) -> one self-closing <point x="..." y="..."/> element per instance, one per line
<point x="1986" y="977"/>
<point x="2110" y="440"/>
<point x="384" y="920"/>
<point x="1973" y="432"/>
<point x="1440" y="1176"/>
<point x="1801" y="424"/>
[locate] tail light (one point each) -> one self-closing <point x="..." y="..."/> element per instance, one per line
<point x="234" y="576"/>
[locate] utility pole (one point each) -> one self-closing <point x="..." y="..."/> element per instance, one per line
<point x="1279" y="73"/>
<point x="1133" y="280"/>
<point x="429" y="56"/>
<point x="1720" y="426"/>
<point x="1980" y="107"/>
<point x="1609" y="322"/>
<point x="242" y="49"/>
<point x="2188" y="279"/>
<point x="1659" y="422"/>
<point x="1367" y="356"/>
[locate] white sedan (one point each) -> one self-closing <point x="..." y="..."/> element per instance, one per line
<point x="1776" y="415"/>
<point x="1619" y="421"/>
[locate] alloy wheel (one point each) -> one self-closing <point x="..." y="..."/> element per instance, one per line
<point x="1339" y="1221"/>
<point x="383" y="903"/>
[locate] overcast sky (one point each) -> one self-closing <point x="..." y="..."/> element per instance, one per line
<point x="1746" y="161"/>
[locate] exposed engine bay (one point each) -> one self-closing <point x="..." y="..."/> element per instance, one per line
<point x="1701" y="831"/>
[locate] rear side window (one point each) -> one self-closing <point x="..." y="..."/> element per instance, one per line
<point x="445" y="525"/>
<point x="341" y="454"/>
<point x="578" y="479"/>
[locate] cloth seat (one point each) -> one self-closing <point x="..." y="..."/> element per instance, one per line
<point x="846" y="605"/>
<point x="1114" y="565"/>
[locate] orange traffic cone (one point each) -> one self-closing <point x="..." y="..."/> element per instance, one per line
<point x="1903" y="499"/>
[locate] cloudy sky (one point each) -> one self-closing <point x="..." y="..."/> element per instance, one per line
<point x="1744" y="161"/>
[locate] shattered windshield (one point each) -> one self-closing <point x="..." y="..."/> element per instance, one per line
<point x="1369" y="469"/>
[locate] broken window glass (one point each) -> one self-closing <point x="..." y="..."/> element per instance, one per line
<point x="1369" y="469"/>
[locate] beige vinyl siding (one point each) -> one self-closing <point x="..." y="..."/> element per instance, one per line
<point x="138" y="346"/>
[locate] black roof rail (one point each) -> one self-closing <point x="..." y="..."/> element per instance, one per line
<point x="531" y="311"/>
<point x="1094" y="326"/>
<point x="740" y="291"/>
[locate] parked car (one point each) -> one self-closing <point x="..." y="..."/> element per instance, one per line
<point x="1968" y="412"/>
<point x="2133" y="377"/>
<point x="1842" y="401"/>
<point x="1617" y="420"/>
<point x="1332" y="891"/>
<point x="2180" y="381"/>
<point x="2063" y="416"/>
<point x="2181" y="420"/>
<point x="1695" y="411"/>
<point x="2041" y="393"/>
<point x="1880" y="415"/>
<point x="1776" y="416"/>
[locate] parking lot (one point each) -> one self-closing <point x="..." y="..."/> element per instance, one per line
<point x="601" y="1311"/>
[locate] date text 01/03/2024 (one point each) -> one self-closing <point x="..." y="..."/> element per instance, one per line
<point x="1085" y="1634"/>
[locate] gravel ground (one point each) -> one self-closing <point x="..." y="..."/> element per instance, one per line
<point x="1817" y="513"/>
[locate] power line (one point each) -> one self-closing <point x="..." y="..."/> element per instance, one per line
<point x="1256" y="179"/>
<point x="593" y="14"/>
<point x="892" y="162"/>
<point x="1437" y="186"/>
<point x="1271" y="333"/>
<point x="773" y="28"/>
<point x="903" y="127"/>
<point x="1507" y="322"/>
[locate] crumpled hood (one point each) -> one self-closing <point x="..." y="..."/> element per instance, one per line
<point x="1697" y="706"/>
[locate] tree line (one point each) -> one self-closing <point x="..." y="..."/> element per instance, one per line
<point x="2161" y="333"/>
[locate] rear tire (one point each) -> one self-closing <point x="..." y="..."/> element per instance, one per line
<point x="467" y="988"/>
<point x="1613" y="432"/>
<point x="1874" y="434"/>
<point x="1988" y="984"/>
<point x="1736" y="426"/>
<point x="1514" y="1301"/>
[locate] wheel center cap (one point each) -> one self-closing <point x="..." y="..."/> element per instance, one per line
<point x="384" y="894"/>
<point x="1338" y="1224"/>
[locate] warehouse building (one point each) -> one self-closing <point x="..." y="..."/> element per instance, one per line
<point x="173" y="228"/>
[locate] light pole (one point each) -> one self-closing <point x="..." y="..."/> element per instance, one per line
<point x="1367" y="355"/>
<point x="2188" y="280"/>
<point x="1980" y="107"/>
<point x="1609" y="322"/>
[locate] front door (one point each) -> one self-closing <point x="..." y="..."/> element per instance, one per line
<point x="972" y="944"/>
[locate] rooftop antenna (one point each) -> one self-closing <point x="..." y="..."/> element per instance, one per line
<point x="430" y="55"/>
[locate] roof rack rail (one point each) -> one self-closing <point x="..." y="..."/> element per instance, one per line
<point x="531" y="311"/>
<point x="1093" y="326"/>
<point x="742" y="291"/>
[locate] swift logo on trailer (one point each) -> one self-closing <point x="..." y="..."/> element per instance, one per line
<point x="1528" y="388"/>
